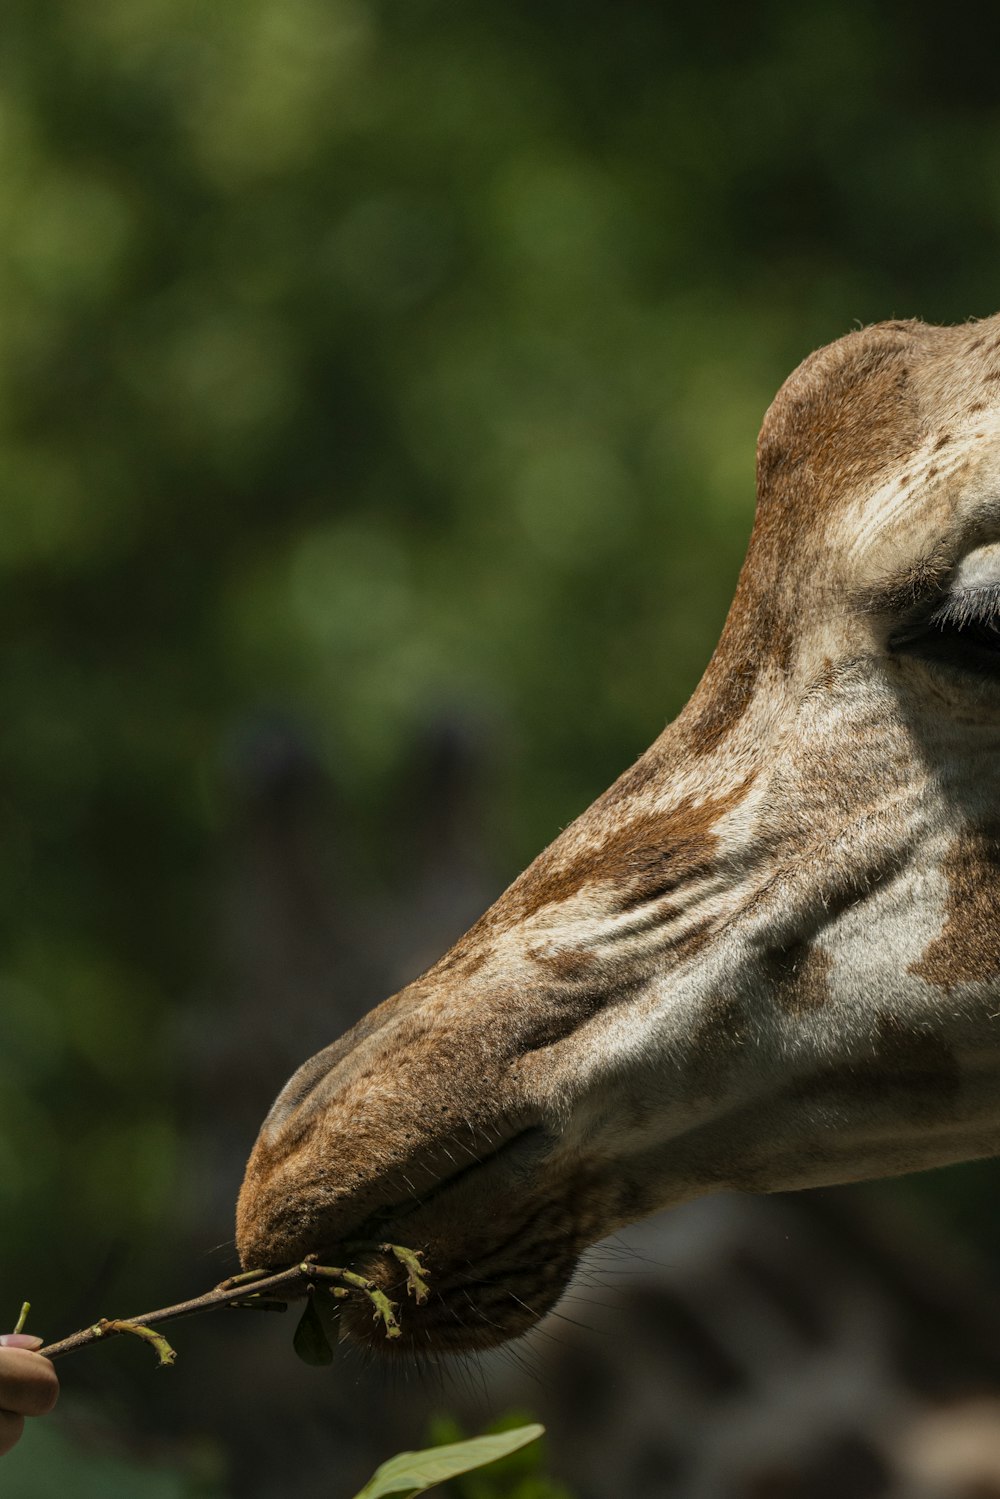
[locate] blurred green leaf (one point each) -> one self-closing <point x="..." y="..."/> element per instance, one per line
<point x="415" y="1472"/>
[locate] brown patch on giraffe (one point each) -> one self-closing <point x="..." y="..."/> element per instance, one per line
<point x="693" y="941"/>
<point x="572" y="1008"/>
<point x="917" y="1063"/>
<point x="911" y="1072"/>
<point x="467" y="955"/>
<point x="646" y="858"/>
<point x="833" y="890"/>
<point x="638" y="776"/>
<point x="756" y="634"/>
<point x="845" y="419"/>
<point x="798" y="977"/>
<point x="849" y="887"/>
<point x="568" y="964"/>
<point x="728" y="1021"/>
<point x="713" y="1047"/>
<point x="967" y="949"/>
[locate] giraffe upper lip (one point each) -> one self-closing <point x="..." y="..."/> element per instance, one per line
<point x="516" y="1152"/>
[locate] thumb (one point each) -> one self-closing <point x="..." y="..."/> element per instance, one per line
<point x="19" y="1340"/>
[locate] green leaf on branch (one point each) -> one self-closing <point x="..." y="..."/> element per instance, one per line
<point x="412" y="1473"/>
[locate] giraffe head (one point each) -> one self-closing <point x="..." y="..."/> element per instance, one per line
<point x="769" y="956"/>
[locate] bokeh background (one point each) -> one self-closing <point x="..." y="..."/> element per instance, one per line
<point x="379" y="385"/>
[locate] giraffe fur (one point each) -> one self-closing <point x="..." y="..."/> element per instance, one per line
<point x="768" y="957"/>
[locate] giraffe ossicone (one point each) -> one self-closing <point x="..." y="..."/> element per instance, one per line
<point x="768" y="957"/>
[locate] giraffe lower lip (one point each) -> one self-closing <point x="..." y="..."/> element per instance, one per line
<point x="485" y="1286"/>
<point x="484" y="1289"/>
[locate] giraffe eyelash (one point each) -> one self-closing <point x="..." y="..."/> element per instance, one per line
<point x="971" y="606"/>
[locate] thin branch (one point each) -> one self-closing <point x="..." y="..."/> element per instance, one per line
<point x="253" y="1289"/>
<point x="226" y="1294"/>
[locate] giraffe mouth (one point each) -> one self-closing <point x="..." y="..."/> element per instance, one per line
<point x="480" y="1295"/>
<point x="500" y="1245"/>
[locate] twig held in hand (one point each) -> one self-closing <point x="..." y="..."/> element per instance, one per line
<point x="252" y="1289"/>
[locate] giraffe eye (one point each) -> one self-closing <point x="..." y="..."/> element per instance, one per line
<point x="962" y="631"/>
<point x="984" y="633"/>
<point x="982" y="636"/>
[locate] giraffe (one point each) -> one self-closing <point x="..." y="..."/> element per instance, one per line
<point x="768" y="957"/>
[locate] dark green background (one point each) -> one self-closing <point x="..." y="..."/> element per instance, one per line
<point x="376" y="376"/>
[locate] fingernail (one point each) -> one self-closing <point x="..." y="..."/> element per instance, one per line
<point x="19" y="1340"/>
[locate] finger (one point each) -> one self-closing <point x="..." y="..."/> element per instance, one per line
<point x="28" y="1383"/>
<point x="19" y="1340"/>
<point x="11" y="1427"/>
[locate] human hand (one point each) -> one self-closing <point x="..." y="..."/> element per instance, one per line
<point x="28" y="1386"/>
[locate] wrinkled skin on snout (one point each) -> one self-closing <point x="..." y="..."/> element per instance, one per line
<point x="769" y="956"/>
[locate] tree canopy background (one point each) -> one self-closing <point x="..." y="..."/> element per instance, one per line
<point x="367" y="366"/>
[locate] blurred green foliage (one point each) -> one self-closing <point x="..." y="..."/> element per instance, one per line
<point x="48" y="1463"/>
<point x="362" y="358"/>
<point x="522" y="1475"/>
